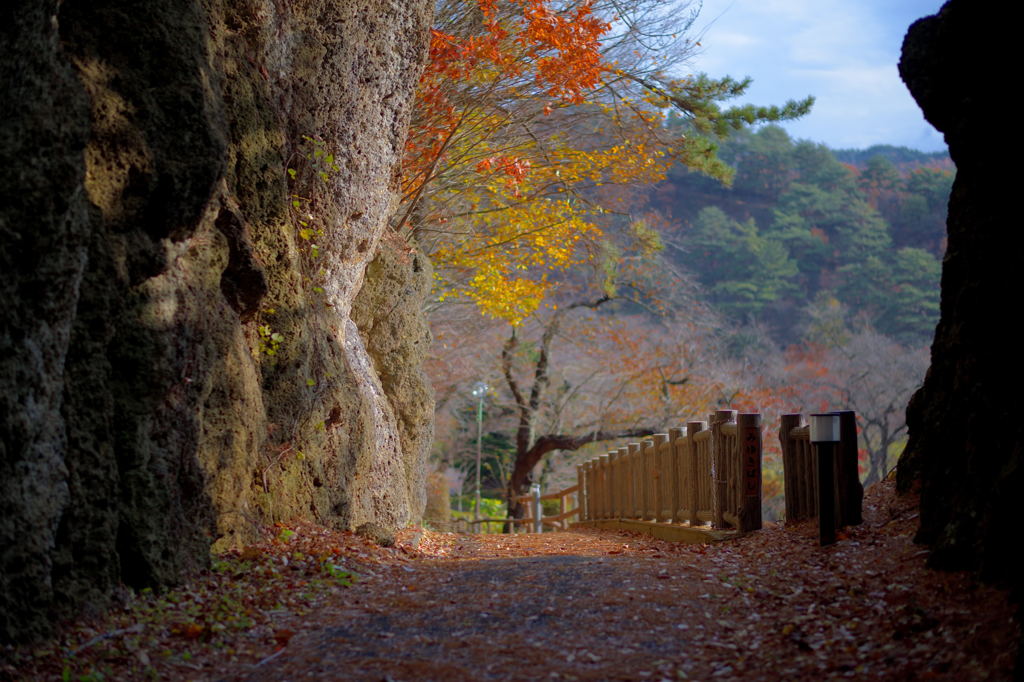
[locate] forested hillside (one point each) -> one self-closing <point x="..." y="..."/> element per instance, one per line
<point x="798" y="230"/>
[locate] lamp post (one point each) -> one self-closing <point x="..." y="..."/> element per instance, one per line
<point x="479" y="391"/>
<point x="825" y="435"/>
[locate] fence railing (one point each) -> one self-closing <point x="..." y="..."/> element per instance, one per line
<point x="568" y="505"/>
<point x="534" y="519"/>
<point x="800" y="470"/>
<point x="707" y="472"/>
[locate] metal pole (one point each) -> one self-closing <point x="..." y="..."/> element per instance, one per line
<point x="538" y="513"/>
<point x="479" y="435"/>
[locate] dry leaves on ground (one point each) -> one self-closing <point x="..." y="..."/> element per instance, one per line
<point x="579" y="605"/>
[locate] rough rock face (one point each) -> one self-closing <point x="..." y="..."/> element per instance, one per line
<point x="397" y="337"/>
<point x="965" y="423"/>
<point x="189" y="195"/>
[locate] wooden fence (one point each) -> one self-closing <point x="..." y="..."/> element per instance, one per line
<point x="534" y="520"/>
<point x="707" y="472"/>
<point x="568" y="505"/>
<point x="800" y="470"/>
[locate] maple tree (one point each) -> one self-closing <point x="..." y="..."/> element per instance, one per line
<point x="525" y="108"/>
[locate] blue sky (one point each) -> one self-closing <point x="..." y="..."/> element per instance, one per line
<point x="844" y="52"/>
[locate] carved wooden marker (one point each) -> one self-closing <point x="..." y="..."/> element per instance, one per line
<point x="749" y="427"/>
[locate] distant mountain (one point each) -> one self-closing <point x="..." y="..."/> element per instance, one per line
<point x="898" y="156"/>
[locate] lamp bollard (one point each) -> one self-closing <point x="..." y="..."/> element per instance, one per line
<point x="479" y="391"/>
<point x="824" y="434"/>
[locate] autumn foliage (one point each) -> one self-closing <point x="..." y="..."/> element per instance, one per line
<point x="525" y="109"/>
<point x="505" y="146"/>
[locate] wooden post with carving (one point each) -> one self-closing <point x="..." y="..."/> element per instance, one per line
<point x="792" y="489"/>
<point x="748" y="431"/>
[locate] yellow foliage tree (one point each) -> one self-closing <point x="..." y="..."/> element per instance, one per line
<point x="525" y="108"/>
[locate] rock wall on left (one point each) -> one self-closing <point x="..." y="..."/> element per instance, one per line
<point x="179" y="360"/>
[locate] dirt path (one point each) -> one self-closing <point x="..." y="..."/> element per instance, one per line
<point x="553" y="611"/>
<point x="583" y="605"/>
<point x="593" y="605"/>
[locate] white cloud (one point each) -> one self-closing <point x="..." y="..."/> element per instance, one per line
<point x="842" y="52"/>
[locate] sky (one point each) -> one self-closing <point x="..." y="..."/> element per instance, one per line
<point x="844" y="52"/>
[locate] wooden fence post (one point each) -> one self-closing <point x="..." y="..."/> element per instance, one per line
<point x="637" y="480"/>
<point x="622" y="485"/>
<point x="613" y="483"/>
<point x="581" y="493"/>
<point x="693" y="496"/>
<point x="606" y="498"/>
<point x="791" y="489"/>
<point x="810" y="479"/>
<point x="851" y="491"/>
<point x="718" y="459"/>
<point x="627" y="482"/>
<point x="646" y="471"/>
<point x="593" y="496"/>
<point x="594" y="487"/>
<point x="748" y="431"/>
<point x="675" y="442"/>
<point x="658" y="475"/>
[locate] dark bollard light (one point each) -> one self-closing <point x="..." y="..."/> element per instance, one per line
<point x="825" y="435"/>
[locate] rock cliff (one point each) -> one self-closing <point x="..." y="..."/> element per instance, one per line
<point x="190" y="193"/>
<point x="966" y="431"/>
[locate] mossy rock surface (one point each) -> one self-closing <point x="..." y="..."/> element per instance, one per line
<point x="149" y="248"/>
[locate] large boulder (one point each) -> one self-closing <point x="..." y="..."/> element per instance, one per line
<point x="965" y="423"/>
<point x="190" y="193"/>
